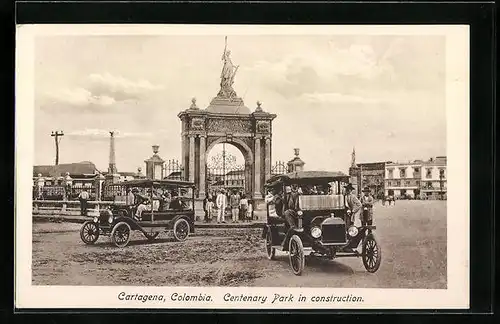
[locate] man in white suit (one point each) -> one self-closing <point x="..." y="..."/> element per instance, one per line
<point x="353" y="205"/>
<point x="221" y="203"/>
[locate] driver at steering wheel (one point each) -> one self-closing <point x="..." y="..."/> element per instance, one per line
<point x="291" y="206"/>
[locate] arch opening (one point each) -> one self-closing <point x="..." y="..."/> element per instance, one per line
<point x="228" y="166"/>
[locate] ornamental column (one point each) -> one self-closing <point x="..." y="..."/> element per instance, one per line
<point x="203" y="148"/>
<point x="191" y="158"/>
<point x="267" y="160"/>
<point x="257" y="193"/>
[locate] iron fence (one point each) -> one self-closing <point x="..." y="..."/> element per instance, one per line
<point x="173" y="170"/>
<point x="237" y="177"/>
<point x="278" y="168"/>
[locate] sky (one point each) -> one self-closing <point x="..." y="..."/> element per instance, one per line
<point x="383" y="95"/>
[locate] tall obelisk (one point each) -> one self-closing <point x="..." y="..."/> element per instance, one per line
<point x="112" y="170"/>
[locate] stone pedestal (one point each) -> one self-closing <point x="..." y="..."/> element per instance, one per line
<point x="296" y="164"/>
<point x="154" y="165"/>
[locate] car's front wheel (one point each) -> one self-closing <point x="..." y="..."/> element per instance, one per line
<point x="120" y="235"/>
<point x="89" y="233"/>
<point x="181" y="230"/>
<point x="371" y="253"/>
<point x="296" y="255"/>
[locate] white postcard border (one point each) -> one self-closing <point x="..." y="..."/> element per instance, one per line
<point x="457" y="108"/>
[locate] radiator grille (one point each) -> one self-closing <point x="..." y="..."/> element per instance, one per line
<point x="333" y="233"/>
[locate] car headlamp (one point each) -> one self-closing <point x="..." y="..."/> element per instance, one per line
<point x="96" y="219"/>
<point x="300" y="213"/>
<point x="352" y="231"/>
<point x="110" y="219"/>
<point x="316" y="232"/>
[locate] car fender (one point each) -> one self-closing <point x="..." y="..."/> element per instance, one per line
<point x="130" y="221"/>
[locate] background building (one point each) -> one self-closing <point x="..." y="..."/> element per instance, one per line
<point x="416" y="179"/>
<point x="370" y="175"/>
<point x="434" y="177"/>
<point x="81" y="173"/>
<point x="402" y="180"/>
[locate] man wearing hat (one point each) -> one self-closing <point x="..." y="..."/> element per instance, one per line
<point x="221" y="202"/>
<point x="353" y="204"/>
<point x="143" y="205"/>
<point x="291" y="205"/>
<point x="367" y="203"/>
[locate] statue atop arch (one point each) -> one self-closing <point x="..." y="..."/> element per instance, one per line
<point x="227" y="75"/>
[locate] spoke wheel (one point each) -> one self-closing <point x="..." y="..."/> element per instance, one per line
<point x="269" y="246"/>
<point x="372" y="254"/>
<point x="89" y="233"/>
<point x="181" y="230"/>
<point x="296" y="254"/>
<point x="120" y="235"/>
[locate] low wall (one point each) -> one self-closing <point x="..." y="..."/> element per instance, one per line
<point x="68" y="207"/>
<point x="72" y="208"/>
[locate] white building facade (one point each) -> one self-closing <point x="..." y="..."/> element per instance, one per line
<point x="434" y="178"/>
<point x="403" y="179"/>
<point x="416" y="179"/>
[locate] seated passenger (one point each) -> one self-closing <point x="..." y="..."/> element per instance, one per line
<point x="155" y="205"/>
<point x="143" y="206"/>
<point x="177" y="203"/>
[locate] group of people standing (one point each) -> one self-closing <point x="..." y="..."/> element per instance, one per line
<point x="361" y="209"/>
<point x="241" y="207"/>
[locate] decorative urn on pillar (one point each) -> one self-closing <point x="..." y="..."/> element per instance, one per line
<point x="139" y="173"/>
<point x="296" y="164"/>
<point x="154" y="165"/>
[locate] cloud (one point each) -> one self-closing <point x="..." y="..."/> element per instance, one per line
<point x="119" y="87"/>
<point x="98" y="91"/>
<point x="336" y="98"/>
<point x="79" y="97"/>
<point x="353" y="69"/>
<point x="101" y="134"/>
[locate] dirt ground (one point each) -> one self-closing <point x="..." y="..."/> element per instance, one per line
<point x="412" y="235"/>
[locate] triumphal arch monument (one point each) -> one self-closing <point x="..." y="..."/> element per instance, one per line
<point x="227" y="120"/>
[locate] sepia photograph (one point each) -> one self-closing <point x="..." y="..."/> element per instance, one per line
<point x="243" y="167"/>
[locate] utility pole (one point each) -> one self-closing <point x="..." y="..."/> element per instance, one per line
<point x="360" y="186"/>
<point x="57" y="135"/>
<point x="441" y="176"/>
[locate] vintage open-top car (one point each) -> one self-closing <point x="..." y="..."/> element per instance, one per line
<point x="324" y="227"/>
<point x="169" y="206"/>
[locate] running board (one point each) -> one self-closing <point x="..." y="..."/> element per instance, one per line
<point x="341" y="254"/>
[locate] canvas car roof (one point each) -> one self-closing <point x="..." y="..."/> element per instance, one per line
<point x="307" y="176"/>
<point x="157" y="183"/>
